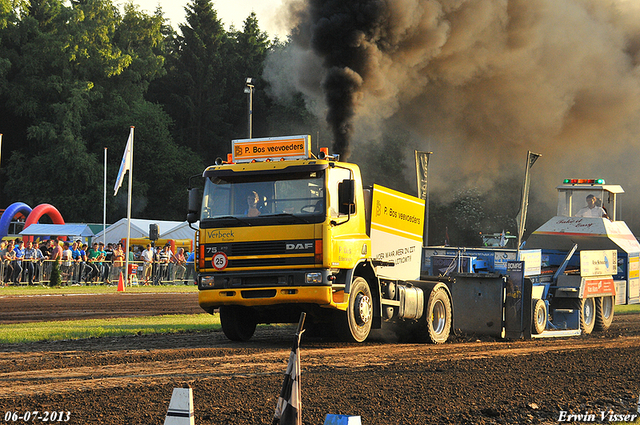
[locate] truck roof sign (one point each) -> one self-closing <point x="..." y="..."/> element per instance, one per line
<point x="274" y="148"/>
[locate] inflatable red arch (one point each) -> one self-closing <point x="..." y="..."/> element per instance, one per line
<point x="38" y="212"/>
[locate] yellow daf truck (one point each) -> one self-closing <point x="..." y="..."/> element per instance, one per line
<point x="284" y="231"/>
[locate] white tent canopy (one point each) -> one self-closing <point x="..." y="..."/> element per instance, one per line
<point x="38" y="229"/>
<point x="182" y="231"/>
<point x="139" y="229"/>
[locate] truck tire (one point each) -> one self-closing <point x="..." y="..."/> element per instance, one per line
<point x="238" y="322"/>
<point x="539" y="317"/>
<point x="604" y="312"/>
<point x="587" y="308"/>
<point x="354" y="325"/>
<point x="438" y="316"/>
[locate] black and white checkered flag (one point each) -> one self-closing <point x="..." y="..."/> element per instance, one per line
<point x="289" y="407"/>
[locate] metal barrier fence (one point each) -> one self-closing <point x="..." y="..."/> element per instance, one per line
<point x="86" y="273"/>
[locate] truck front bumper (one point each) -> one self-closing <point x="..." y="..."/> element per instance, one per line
<point x="271" y="287"/>
<point x="210" y="299"/>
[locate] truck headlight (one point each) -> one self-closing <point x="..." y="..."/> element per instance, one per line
<point x="207" y="282"/>
<point x="313" y="277"/>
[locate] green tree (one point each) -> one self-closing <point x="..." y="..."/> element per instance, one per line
<point x="160" y="169"/>
<point x="287" y="112"/>
<point x="247" y="55"/>
<point x="193" y="90"/>
<point x="46" y="101"/>
<point x="76" y="83"/>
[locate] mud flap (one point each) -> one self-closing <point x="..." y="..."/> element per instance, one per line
<point x="479" y="303"/>
<point x="513" y="312"/>
<point x="527" y="294"/>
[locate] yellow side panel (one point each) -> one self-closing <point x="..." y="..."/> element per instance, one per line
<point x="397" y="213"/>
<point x="397" y="222"/>
<point x="346" y="252"/>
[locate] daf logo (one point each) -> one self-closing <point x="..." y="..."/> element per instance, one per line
<point x="299" y="246"/>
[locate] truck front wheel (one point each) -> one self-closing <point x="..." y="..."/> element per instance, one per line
<point x="356" y="324"/>
<point x="604" y="312"/>
<point x="238" y="322"/>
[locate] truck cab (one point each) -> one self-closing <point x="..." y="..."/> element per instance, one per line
<point x="573" y="194"/>
<point x="283" y="231"/>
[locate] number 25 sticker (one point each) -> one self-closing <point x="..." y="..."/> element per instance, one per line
<point x="220" y="261"/>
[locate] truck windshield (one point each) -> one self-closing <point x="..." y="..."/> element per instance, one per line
<point x="264" y="199"/>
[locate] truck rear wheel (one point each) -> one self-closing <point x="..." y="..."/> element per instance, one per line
<point x="438" y="316"/>
<point x="539" y="319"/>
<point x="604" y="312"/>
<point x="355" y="325"/>
<point x="587" y="308"/>
<point x="238" y="322"/>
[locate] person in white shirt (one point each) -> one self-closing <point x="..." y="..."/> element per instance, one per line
<point x="591" y="210"/>
<point x="147" y="257"/>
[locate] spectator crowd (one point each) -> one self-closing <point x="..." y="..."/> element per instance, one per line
<point x="31" y="263"/>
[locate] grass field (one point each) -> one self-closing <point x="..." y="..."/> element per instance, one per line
<point x="627" y="309"/>
<point x="97" y="328"/>
<point x="92" y="328"/>
<point x="99" y="289"/>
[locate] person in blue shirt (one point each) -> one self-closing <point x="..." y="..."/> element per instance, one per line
<point x="191" y="268"/>
<point x="75" y="261"/>
<point x="32" y="258"/>
<point x="17" y="263"/>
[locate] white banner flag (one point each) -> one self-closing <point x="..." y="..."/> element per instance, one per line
<point x="125" y="165"/>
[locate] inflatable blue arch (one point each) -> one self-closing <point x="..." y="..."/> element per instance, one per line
<point x="13" y="210"/>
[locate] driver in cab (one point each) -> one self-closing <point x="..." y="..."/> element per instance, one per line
<point x="252" y="202"/>
<point x="592" y="210"/>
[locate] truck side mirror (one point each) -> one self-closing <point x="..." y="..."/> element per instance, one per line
<point x="347" y="196"/>
<point x="193" y="209"/>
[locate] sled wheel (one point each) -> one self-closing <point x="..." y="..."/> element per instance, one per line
<point x="604" y="312"/>
<point x="539" y="318"/>
<point x="587" y="307"/>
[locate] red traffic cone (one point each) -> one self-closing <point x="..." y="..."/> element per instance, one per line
<point x="120" y="283"/>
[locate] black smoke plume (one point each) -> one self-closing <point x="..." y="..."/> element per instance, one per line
<point x="478" y="82"/>
<point x="339" y="32"/>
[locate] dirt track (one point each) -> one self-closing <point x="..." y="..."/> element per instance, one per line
<point x="128" y="380"/>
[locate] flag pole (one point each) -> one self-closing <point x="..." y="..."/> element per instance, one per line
<point x="289" y="405"/>
<point x="126" y="264"/>
<point x="531" y="159"/>
<point x="104" y="206"/>
<point x="422" y="176"/>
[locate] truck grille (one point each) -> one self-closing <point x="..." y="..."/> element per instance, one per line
<point x="270" y="253"/>
<point x="257" y="248"/>
<point x="264" y="262"/>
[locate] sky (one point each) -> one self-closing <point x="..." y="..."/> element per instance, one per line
<point x="231" y="12"/>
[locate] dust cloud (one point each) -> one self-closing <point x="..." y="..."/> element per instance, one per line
<point x="478" y="83"/>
